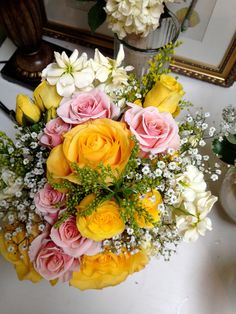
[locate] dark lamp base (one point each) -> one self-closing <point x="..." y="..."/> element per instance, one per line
<point x="26" y="70"/>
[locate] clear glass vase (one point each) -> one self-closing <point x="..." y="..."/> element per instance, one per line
<point x="228" y="193"/>
<point x="138" y="50"/>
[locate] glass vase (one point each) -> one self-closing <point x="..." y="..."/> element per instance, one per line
<point x="139" y="50"/>
<point x="228" y="193"/>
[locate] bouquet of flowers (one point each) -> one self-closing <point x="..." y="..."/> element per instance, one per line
<point x="101" y="176"/>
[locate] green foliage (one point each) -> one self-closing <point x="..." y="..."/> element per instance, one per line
<point x="10" y="156"/>
<point x="225" y="149"/>
<point x="157" y="66"/>
<point x="97" y="15"/>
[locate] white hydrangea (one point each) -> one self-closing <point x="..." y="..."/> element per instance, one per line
<point x="138" y="17"/>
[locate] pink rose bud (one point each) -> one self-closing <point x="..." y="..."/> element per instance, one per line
<point x="49" y="203"/>
<point x="50" y="261"/>
<point x="53" y="132"/>
<point x="87" y="105"/>
<point x="155" y="131"/>
<point x="68" y="237"/>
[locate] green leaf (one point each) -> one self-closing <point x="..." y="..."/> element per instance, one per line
<point x="225" y="150"/>
<point x="97" y="15"/>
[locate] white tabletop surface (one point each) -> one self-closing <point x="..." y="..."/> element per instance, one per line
<point x="199" y="279"/>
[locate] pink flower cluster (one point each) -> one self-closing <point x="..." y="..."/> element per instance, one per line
<point x="79" y="109"/>
<point x="56" y="252"/>
<point x="155" y="131"/>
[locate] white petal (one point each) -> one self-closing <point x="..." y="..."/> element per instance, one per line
<point x="84" y="78"/>
<point x="100" y="58"/>
<point x="120" y="56"/>
<point x="102" y="74"/>
<point x="59" y="60"/>
<point x="66" y="79"/>
<point x="191" y="235"/>
<point x="65" y="91"/>
<point x="74" y="56"/>
<point x="55" y="72"/>
<point x="80" y="63"/>
<point x="65" y="58"/>
<point x="52" y="80"/>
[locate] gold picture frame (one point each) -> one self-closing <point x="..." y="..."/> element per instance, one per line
<point x="223" y="74"/>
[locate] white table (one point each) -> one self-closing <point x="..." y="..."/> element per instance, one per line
<point x="199" y="279"/>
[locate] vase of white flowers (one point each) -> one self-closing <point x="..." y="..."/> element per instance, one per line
<point x="224" y="146"/>
<point x="143" y="27"/>
<point x="143" y="32"/>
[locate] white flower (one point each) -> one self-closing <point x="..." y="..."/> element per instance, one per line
<point x="196" y="223"/>
<point x="138" y="17"/>
<point x="69" y="73"/>
<point x="109" y="72"/>
<point x="192" y="181"/>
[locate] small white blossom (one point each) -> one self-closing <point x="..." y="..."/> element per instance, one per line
<point x="157" y="172"/>
<point x="161" y="164"/>
<point x="202" y="143"/>
<point x="214" y="177"/>
<point x="204" y="126"/>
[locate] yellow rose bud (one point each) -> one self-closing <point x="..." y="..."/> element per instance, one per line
<point x="165" y="95"/>
<point x="51" y="114"/>
<point x="106" y="269"/>
<point x="26" y="111"/>
<point x="46" y="96"/>
<point x="150" y="202"/>
<point x="90" y="144"/>
<point x="14" y="250"/>
<point x="105" y="222"/>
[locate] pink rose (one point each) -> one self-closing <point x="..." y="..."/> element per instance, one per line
<point x="50" y="261"/>
<point x="53" y="132"/>
<point x="68" y="237"/>
<point x="87" y="105"/>
<point x="155" y="131"/>
<point x="49" y="203"/>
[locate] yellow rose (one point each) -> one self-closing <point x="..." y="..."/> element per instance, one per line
<point x="26" y="112"/>
<point x="165" y="95"/>
<point x="106" y="269"/>
<point x="150" y="203"/>
<point x="14" y="250"/>
<point x="103" y="223"/>
<point x="90" y="144"/>
<point x="46" y="96"/>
